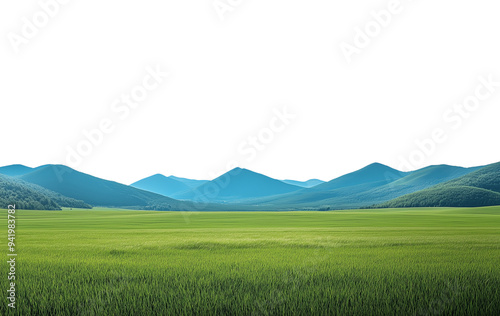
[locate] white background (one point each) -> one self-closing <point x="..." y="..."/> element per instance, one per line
<point x="227" y="75"/>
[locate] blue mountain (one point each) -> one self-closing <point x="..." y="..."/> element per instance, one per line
<point x="375" y="173"/>
<point x="160" y="184"/>
<point x="238" y="184"/>
<point x="15" y="170"/>
<point x="192" y="183"/>
<point x="304" y="184"/>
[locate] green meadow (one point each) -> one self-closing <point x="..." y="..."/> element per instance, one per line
<point x="442" y="261"/>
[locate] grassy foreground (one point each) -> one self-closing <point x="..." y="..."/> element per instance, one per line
<point x="366" y="262"/>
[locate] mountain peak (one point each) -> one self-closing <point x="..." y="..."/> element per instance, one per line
<point x="377" y="165"/>
<point x="239" y="184"/>
<point x="375" y="172"/>
<point x="238" y="169"/>
<point x="158" y="175"/>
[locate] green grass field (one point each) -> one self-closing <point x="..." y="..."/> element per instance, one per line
<point x="365" y="262"/>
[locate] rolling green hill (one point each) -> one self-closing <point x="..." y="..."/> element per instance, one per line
<point x="487" y="178"/>
<point x="459" y="196"/>
<point x="478" y="188"/>
<point x="33" y="197"/>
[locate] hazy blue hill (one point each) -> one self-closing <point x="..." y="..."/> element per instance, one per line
<point x="478" y="188"/>
<point x="33" y="197"/>
<point x="373" y="173"/>
<point x="189" y="182"/>
<point x="304" y="184"/>
<point x="238" y="184"/>
<point x="96" y="191"/>
<point x="160" y="184"/>
<point x="15" y="170"/>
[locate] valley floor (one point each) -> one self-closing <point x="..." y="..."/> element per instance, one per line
<point x="442" y="261"/>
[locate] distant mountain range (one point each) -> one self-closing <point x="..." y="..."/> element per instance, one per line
<point x="376" y="185"/>
<point x="96" y="191"/>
